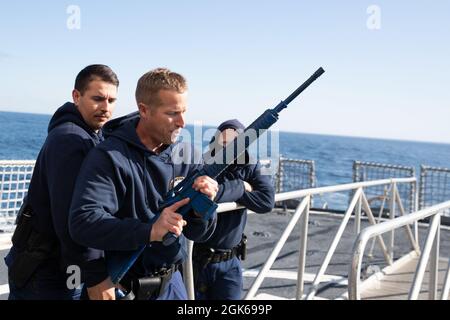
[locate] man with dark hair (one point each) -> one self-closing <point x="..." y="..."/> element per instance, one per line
<point x="217" y="265"/>
<point x="117" y="199"/>
<point x="43" y="255"/>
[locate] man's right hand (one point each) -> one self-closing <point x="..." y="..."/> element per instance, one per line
<point x="105" y="290"/>
<point x="169" y="221"/>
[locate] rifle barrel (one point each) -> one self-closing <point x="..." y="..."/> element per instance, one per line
<point x="300" y="89"/>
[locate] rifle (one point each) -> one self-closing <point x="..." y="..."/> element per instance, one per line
<point x="200" y="203"/>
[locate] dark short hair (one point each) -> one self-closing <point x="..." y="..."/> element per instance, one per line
<point x="93" y="72"/>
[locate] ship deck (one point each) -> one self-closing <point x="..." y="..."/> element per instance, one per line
<point x="263" y="232"/>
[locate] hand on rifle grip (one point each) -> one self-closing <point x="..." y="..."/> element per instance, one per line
<point x="169" y="221"/>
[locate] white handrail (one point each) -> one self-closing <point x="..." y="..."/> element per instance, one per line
<point x="306" y="193"/>
<point x="377" y="230"/>
<point x="17" y="162"/>
<point x="229" y="206"/>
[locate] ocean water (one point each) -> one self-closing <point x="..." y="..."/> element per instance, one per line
<point x="334" y="155"/>
<point x="22" y="135"/>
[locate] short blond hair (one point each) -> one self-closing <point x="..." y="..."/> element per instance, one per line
<point x="158" y="79"/>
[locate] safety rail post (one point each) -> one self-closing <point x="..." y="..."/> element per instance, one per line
<point x="446" y="287"/>
<point x="262" y="274"/>
<point x="280" y="175"/>
<point x="380" y="214"/>
<point x="302" y="252"/>
<point x="423" y="172"/>
<point x="354" y="273"/>
<point x="434" y="264"/>
<point x="409" y="233"/>
<point x="392" y="216"/>
<point x="416" y="208"/>
<point x="413" y="192"/>
<point x="387" y="257"/>
<point x="334" y="243"/>
<point x="358" y="216"/>
<point x="422" y="265"/>
<point x="189" y="272"/>
<point x="312" y="180"/>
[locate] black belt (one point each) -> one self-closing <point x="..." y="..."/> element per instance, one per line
<point x="223" y="255"/>
<point x="165" y="272"/>
<point x="210" y="255"/>
<point x="203" y="254"/>
<point x="144" y="288"/>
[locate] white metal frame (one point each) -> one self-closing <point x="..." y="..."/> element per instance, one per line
<point x="430" y="251"/>
<point x="359" y="200"/>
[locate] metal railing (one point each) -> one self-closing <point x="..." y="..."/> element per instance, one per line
<point x="359" y="200"/>
<point x="295" y="174"/>
<point x="434" y="187"/>
<point x="15" y="177"/>
<point x="369" y="171"/>
<point x="431" y="248"/>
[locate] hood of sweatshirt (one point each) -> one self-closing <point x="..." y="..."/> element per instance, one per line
<point x="68" y="113"/>
<point x="124" y="128"/>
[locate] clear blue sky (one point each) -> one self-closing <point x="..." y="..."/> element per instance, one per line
<point x="241" y="57"/>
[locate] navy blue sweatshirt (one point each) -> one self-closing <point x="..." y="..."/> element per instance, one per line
<point x="118" y="195"/>
<point x="50" y="192"/>
<point x="231" y="224"/>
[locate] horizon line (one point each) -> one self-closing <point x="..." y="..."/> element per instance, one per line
<point x="289" y="131"/>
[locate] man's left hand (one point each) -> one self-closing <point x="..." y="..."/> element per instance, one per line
<point x="206" y="185"/>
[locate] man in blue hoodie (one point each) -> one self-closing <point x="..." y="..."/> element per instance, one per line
<point x="43" y="253"/>
<point x="116" y="205"/>
<point x="217" y="265"/>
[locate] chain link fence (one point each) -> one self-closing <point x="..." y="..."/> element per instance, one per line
<point x="15" y="178"/>
<point x="434" y="187"/>
<point x="291" y="175"/>
<point x="379" y="196"/>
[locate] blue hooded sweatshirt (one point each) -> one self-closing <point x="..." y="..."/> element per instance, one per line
<point x="119" y="193"/>
<point x="50" y="192"/>
<point x="231" y="224"/>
